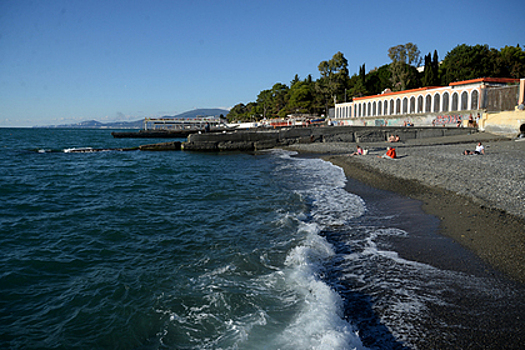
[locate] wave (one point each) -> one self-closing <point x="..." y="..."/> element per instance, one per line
<point x="319" y="322"/>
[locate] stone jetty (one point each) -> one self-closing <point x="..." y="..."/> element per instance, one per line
<point x="261" y="139"/>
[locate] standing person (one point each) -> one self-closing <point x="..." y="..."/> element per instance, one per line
<point x="471" y="122"/>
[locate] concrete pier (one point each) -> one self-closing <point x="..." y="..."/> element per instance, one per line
<point x="260" y="139"/>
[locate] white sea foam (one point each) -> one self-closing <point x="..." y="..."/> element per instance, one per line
<point x="319" y="323"/>
<point x="78" y="150"/>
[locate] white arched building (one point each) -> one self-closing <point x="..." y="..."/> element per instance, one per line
<point x="426" y="106"/>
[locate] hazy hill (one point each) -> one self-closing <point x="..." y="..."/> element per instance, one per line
<point x="138" y="124"/>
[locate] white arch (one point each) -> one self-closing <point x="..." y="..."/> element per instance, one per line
<point x="420" y="104"/>
<point x="398" y="106"/>
<point x="445" y="102"/>
<point x="474" y="97"/>
<point x="454" y="105"/>
<point x="436" y="102"/>
<point x="428" y="106"/>
<point x="465" y="106"/>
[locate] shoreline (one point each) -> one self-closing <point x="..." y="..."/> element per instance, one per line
<point x="461" y="191"/>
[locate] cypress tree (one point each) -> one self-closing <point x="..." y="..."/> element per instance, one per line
<point x="435" y="69"/>
<point x="428" y="72"/>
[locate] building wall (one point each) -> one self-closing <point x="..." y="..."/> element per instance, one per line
<point x="509" y="123"/>
<point x="430" y="105"/>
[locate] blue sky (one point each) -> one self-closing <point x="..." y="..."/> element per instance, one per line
<point x="68" y="61"/>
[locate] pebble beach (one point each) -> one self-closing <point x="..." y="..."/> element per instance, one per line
<point x="479" y="199"/>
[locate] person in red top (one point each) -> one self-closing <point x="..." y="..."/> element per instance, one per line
<point x="390" y="153"/>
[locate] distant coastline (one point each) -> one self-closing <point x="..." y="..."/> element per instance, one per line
<point x="136" y="124"/>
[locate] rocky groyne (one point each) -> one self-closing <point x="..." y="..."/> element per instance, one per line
<point x="260" y="139"/>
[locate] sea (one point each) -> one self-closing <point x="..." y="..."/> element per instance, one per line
<point x="110" y="249"/>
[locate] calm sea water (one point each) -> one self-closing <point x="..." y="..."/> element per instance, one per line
<point x="179" y="250"/>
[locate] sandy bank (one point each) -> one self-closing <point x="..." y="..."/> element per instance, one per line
<point x="480" y="200"/>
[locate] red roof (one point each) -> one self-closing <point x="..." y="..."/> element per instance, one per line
<point x="398" y="92"/>
<point x="464" y="82"/>
<point x="485" y="80"/>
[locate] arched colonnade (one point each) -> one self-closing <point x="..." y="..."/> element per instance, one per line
<point x="410" y="103"/>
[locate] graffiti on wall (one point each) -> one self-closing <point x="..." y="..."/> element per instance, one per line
<point x="453" y="119"/>
<point x="423" y="120"/>
<point x="448" y="119"/>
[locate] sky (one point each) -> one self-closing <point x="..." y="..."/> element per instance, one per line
<point x="63" y="61"/>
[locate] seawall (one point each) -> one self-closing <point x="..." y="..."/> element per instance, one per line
<point x="260" y="139"/>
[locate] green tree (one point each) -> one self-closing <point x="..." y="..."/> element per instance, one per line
<point x="333" y="80"/>
<point x="466" y="62"/>
<point x="279" y="98"/>
<point x="295" y="80"/>
<point x="430" y="74"/>
<point x="435" y="68"/>
<point x="359" y="89"/>
<point x="301" y="98"/>
<point x="264" y="103"/>
<point x="362" y="73"/>
<point x="403" y="58"/>
<point x="378" y="79"/>
<point x="236" y="113"/>
<point x="250" y="113"/>
<point x="512" y="62"/>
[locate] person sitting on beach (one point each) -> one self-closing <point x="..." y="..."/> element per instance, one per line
<point x="390" y="153"/>
<point x="479" y="150"/>
<point x="358" y="152"/>
<point x="393" y="138"/>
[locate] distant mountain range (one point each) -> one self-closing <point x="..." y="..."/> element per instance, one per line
<point x="138" y="124"/>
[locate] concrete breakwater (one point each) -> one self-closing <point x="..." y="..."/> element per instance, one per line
<point x="260" y="139"/>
